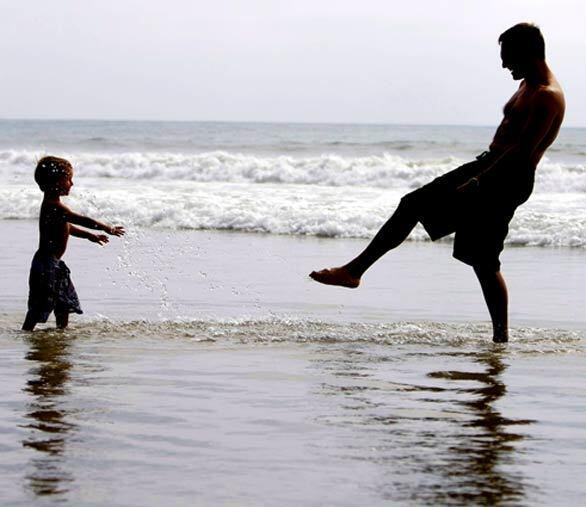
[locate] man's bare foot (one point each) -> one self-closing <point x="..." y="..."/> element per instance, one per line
<point x="335" y="276"/>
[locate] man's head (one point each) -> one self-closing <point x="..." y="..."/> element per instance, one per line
<point x="54" y="174"/>
<point x="521" y="47"/>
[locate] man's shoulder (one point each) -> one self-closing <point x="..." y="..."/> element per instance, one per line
<point x="550" y="90"/>
<point x="549" y="96"/>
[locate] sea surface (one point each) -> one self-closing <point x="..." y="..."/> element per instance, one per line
<point x="295" y="179"/>
<point x="208" y="369"/>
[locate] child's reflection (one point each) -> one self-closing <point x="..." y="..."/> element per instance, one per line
<point x="49" y="426"/>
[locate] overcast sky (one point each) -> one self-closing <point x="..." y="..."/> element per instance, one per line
<point x="383" y="61"/>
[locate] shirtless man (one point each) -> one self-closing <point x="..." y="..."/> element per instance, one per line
<point x="478" y="199"/>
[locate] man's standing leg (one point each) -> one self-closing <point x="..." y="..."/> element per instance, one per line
<point x="495" y="294"/>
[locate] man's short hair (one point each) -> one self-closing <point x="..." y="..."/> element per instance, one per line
<point x="49" y="170"/>
<point x="525" y="39"/>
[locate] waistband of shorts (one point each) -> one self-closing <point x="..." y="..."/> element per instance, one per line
<point x="489" y="157"/>
<point x="485" y="156"/>
<point x="43" y="254"/>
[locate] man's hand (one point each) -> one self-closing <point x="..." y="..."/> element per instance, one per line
<point x="100" y="239"/>
<point x="115" y="230"/>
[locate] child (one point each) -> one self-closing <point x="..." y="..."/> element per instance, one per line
<point x="50" y="288"/>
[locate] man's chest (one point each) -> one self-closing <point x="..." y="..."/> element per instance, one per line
<point x="517" y="109"/>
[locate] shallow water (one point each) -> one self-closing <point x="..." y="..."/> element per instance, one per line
<point x="290" y="412"/>
<point x="273" y="390"/>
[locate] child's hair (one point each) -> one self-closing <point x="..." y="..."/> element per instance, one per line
<point x="49" y="170"/>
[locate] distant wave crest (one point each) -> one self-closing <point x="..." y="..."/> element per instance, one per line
<point x="381" y="171"/>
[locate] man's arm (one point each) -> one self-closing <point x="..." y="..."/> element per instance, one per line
<point x="538" y="125"/>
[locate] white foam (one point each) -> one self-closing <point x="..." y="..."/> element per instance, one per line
<point x="328" y="195"/>
<point x="379" y="171"/>
<point x="523" y="341"/>
<point x="349" y="212"/>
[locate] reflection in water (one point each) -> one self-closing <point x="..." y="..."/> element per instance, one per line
<point x="49" y="429"/>
<point x="435" y="444"/>
<point x="477" y="462"/>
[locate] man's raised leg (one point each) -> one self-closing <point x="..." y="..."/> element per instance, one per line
<point x="391" y="235"/>
<point x="496" y="296"/>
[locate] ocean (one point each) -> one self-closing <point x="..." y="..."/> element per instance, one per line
<point x="208" y="369"/>
<point x="319" y="180"/>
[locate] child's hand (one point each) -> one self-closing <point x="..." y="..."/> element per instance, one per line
<point x="116" y="230"/>
<point x="100" y="239"/>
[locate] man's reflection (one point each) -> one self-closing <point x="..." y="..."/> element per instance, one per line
<point x="476" y="462"/>
<point x="49" y="428"/>
<point x="437" y="443"/>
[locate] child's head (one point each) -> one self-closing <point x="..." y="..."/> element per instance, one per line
<point x="53" y="174"/>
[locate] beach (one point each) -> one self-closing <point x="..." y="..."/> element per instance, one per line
<point x="208" y="369"/>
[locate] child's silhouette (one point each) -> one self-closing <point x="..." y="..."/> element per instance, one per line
<point x="50" y="287"/>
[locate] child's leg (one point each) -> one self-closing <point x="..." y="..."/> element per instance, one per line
<point x="29" y="322"/>
<point x="62" y="320"/>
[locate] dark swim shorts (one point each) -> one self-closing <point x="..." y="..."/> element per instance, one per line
<point x="479" y="216"/>
<point x="50" y="288"/>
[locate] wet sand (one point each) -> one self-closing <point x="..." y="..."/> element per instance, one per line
<point x="202" y="274"/>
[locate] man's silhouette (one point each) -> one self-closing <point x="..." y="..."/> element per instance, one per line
<point x="478" y="199"/>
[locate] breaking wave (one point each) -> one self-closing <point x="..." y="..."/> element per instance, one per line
<point x="327" y="195"/>
<point x="381" y="171"/>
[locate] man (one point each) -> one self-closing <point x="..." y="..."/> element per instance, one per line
<point x="478" y="199"/>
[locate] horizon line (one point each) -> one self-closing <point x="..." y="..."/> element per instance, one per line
<point x="262" y="122"/>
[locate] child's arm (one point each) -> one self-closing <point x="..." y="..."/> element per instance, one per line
<point x="90" y="223"/>
<point x="100" y="239"/>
